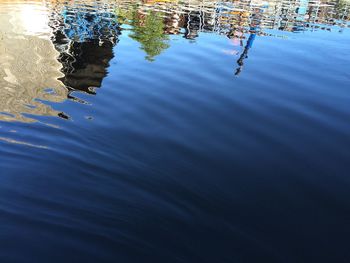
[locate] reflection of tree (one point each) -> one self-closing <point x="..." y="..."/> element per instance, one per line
<point x="148" y="30"/>
<point x="341" y="9"/>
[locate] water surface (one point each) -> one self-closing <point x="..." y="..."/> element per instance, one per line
<point x="166" y="131"/>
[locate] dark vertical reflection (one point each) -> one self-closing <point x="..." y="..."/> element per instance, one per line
<point x="85" y="38"/>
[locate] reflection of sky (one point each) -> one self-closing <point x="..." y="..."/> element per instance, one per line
<point x="34" y="19"/>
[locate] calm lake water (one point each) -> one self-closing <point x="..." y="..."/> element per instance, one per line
<point x="166" y="131"/>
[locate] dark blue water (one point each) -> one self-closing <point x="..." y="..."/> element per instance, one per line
<point x="174" y="132"/>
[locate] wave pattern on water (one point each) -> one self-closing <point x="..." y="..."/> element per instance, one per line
<point x="205" y="131"/>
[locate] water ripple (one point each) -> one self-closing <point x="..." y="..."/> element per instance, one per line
<point x="174" y="131"/>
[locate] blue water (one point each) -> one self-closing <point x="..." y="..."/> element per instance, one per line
<point x="182" y="155"/>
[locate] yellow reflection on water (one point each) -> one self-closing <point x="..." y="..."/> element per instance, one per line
<point x="28" y="63"/>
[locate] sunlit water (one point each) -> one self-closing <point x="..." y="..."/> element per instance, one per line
<point x="164" y="131"/>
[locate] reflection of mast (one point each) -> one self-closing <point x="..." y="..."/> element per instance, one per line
<point x="193" y="24"/>
<point x="317" y="4"/>
<point x="244" y="55"/>
<point x="254" y="23"/>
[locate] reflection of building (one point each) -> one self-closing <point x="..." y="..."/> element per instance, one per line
<point x="29" y="69"/>
<point x="85" y="39"/>
<point x="84" y="65"/>
<point x="198" y="16"/>
<point x="240" y="20"/>
<point x="49" y="48"/>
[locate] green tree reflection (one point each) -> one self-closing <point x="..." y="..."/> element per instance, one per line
<point x="341" y="9"/>
<point x="148" y="30"/>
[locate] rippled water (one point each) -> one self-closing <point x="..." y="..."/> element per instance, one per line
<point x="166" y="131"/>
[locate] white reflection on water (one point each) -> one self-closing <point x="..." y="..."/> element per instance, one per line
<point x="28" y="63"/>
<point x="34" y="19"/>
<point x="23" y="143"/>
